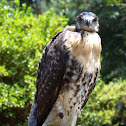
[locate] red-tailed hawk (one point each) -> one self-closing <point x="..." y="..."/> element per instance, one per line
<point x="67" y="73"/>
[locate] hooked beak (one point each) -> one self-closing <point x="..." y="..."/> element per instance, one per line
<point x="87" y="23"/>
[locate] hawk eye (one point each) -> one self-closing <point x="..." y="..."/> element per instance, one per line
<point x="80" y="19"/>
<point x="95" y="19"/>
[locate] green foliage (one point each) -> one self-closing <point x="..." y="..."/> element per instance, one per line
<point x="70" y="8"/>
<point x="106" y="106"/>
<point x="22" y="39"/>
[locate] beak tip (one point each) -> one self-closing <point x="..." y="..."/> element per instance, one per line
<point x="88" y="23"/>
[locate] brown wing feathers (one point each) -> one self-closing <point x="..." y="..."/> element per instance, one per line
<point x="50" y="76"/>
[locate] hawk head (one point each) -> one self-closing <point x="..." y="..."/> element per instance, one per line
<point x="87" y="21"/>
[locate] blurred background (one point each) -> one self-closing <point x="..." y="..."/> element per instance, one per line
<point x="25" y="28"/>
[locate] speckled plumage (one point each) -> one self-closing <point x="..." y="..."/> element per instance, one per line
<point x="67" y="74"/>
